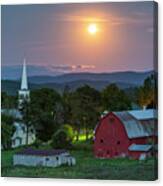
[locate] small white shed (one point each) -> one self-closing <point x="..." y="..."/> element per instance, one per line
<point x="48" y="158"/>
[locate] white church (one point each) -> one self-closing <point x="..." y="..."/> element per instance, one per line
<point x="20" y="135"/>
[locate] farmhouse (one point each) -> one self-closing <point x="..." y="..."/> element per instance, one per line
<point x="48" y="158"/>
<point x="127" y="133"/>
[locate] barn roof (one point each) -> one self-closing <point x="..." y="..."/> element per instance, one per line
<point x="139" y="123"/>
<point x="140" y="147"/>
<point x="36" y="152"/>
<point x="144" y="114"/>
<point x="136" y="128"/>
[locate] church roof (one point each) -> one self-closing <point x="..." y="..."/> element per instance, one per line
<point x="12" y="112"/>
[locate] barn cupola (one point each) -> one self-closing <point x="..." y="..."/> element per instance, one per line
<point x="24" y="93"/>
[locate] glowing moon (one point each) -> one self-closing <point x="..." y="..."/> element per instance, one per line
<point x="92" y="28"/>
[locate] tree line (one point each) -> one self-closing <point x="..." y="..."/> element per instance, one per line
<point x="60" y="117"/>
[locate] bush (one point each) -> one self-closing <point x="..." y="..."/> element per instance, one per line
<point x="62" y="138"/>
<point x="7" y="130"/>
<point x="68" y="129"/>
<point x="85" y="146"/>
<point x="37" y="143"/>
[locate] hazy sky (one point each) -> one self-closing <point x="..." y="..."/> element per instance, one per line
<point x="56" y="36"/>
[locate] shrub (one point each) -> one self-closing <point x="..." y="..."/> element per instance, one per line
<point x="37" y="143"/>
<point x="62" y="138"/>
<point x="68" y="129"/>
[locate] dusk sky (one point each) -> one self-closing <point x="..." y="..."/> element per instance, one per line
<point x="57" y="36"/>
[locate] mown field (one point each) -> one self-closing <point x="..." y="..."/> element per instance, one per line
<point x="87" y="167"/>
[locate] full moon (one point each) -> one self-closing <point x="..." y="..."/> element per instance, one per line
<point x="92" y="28"/>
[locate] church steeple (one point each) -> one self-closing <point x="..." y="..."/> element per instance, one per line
<point x="24" y="84"/>
<point x="24" y="93"/>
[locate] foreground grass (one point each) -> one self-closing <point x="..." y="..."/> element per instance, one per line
<point x="87" y="167"/>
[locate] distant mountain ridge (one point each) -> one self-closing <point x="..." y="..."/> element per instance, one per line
<point x="136" y="78"/>
<point x="12" y="87"/>
<point x="48" y="74"/>
<point x="74" y="80"/>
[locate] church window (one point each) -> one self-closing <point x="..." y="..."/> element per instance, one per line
<point x="20" y="141"/>
<point x="23" y="129"/>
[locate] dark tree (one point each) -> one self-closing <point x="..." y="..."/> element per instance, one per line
<point x="46" y="107"/>
<point x="8" y="101"/>
<point x="85" y="105"/>
<point x="63" y="137"/>
<point x="66" y="99"/>
<point x="115" y="99"/>
<point x="7" y="130"/>
<point x="147" y="94"/>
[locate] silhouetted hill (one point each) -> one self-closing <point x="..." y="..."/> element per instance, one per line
<point x="99" y="85"/>
<point x="136" y="78"/>
<point x="11" y="87"/>
<point x="74" y="80"/>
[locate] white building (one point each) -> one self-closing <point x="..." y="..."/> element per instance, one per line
<point x="48" y="158"/>
<point x="19" y="137"/>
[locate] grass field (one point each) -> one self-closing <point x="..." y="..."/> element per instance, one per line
<point x="87" y="167"/>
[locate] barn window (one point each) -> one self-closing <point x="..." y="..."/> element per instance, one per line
<point x="118" y="142"/>
<point x="57" y="158"/>
<point x="47" y="159"/>
<point x="101" y="141"/>
<point x="111" y="120"/>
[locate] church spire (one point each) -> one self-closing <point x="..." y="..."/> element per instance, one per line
<point x="24" y="93"/>
<point x="24" y="84"/>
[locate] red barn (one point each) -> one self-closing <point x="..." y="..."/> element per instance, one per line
<point x="126" y="133"/>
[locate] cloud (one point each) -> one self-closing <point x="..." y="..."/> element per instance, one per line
<point x="61" y="67"/>
<point x="85" y="66"/>
<point x="71" y="68"/>
<point x="79" y="18"/>
<point x="87" y="19"/>
<point x="112" y="19"/>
